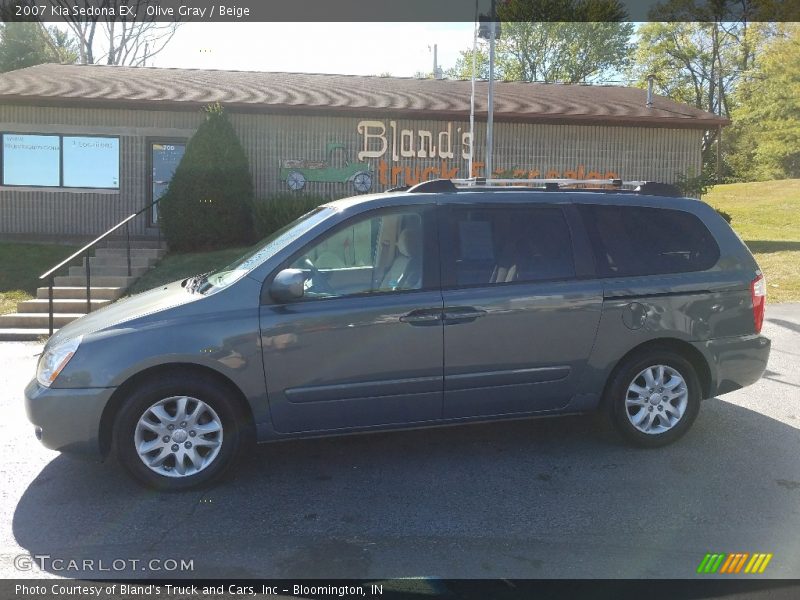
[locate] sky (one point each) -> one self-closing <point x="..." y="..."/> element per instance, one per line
<point x="400" y="49"/>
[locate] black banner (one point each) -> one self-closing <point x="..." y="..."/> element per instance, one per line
<point x="406" y="11"/>
<point x="395" y="589"/>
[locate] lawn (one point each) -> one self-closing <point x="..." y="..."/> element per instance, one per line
<point x="767" y="216"/>
<point x="179" y="265"/>
<point x="20" y="267"/>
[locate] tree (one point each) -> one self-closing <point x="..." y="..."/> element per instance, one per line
<point x="568" y="41"/>
<point x="209" y="201"/>
<point x="28" y="44"/>
<point x="118" y="41"/>
<point x="699" y="54"/>
<point x="765" y="136"/>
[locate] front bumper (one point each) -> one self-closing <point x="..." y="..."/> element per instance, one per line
<point x="67" y="420"/>
<point x="735" y="362"/>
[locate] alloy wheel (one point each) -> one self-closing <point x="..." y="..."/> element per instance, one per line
<point x="178" y="436"/>
<point x="656" y="399"/>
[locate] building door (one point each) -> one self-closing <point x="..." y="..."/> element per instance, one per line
<point x="164" y="159"/>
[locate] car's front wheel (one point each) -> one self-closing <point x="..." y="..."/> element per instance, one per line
<point x="177" y="433"/>
<point x="654" y="397"/>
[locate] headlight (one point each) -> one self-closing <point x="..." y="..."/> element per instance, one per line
<point x="55" y="359"/>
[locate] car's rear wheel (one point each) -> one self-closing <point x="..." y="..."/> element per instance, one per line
<point x="654" y="397"/>
<point x="177" y="433"/>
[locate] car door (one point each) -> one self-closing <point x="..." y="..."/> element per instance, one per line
<point x="363" y="347"/>
<point x="521" y="308"/>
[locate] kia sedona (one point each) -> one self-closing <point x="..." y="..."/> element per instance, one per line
<point x="440" y="304"/>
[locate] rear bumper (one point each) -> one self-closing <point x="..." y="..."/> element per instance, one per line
<point x="67" y="420"/>
<point x="735" y="362"/>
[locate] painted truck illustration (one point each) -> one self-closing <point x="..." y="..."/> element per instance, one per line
<point x="297" y="172"/>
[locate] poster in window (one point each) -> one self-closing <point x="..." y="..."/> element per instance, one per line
<point x="31" y="159"/>
<point x="91" y="162"/>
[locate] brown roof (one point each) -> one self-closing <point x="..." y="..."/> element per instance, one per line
<point x="310" y="92"/>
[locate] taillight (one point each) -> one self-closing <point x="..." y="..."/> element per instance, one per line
<point x="758" y="292"/>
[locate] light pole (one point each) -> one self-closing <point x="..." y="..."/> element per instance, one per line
<point x="490" y="30"/>
<point x="490" y="113"/>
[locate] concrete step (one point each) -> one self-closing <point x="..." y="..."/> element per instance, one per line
<point x="136" y="244"/>
<point x="119" y="261"/>
<point x="97" y="280"/>
<point x="60" y="305"/>
<point x="141" y="252"/>
<point x="78" y="292"/>
<point x="11" y="334"/>
<point x="35" y="320"/>
<point x="107" y="271"/>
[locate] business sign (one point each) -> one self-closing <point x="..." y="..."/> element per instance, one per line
<point x="442" y="152"/>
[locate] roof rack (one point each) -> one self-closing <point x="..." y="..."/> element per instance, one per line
<point x="650" y="188"/>
<point x="544" y="182"/>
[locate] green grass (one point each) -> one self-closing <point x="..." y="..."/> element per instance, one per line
<point x="179" y="265"/>
<point x="767" y="216"/>
<point x="20" y="267"/>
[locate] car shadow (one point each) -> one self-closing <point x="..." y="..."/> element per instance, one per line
<point x="785" y="324"/>
<point x="768" y="246"/>
<point x="491" y="500"/>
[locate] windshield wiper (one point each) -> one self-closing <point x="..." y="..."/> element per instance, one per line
<point x="193" y="283"/>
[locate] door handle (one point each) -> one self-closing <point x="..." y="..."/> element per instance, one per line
<point x="462" y="314"/>
<point x="423" y="316"/>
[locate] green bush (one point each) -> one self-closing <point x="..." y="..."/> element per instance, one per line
<point x="209" y="200"/>
<point x="696" y="185"/>
<point x="725" y="215"/>
<point x="279" y="210"/>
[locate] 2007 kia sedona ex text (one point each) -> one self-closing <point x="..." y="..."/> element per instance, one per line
<point x="439" y="304"/>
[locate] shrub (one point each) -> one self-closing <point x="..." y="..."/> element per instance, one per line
<point x="279" y="210"/>
<point x="695" y="185"/>
<point x="208" y="202"/>
<point x="725" y="215"/>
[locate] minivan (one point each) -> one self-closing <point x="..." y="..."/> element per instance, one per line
<point x="439" y="304"/>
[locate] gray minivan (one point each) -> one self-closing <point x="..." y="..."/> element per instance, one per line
<point x="434" y="305"/>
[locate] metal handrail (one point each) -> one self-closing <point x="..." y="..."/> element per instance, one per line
<point x="88" y="246"/>
<point x="49" y="275"/>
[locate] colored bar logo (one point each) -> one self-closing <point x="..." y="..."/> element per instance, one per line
<point x="738" y="562"/>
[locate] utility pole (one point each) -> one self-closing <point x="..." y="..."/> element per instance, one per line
<point x="490" y="115"/>
<point x="490" y="31"/>
<point x="437" y="70"/>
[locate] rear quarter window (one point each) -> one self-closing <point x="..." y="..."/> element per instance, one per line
<point x="634" y="240"/>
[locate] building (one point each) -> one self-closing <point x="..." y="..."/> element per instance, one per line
<point x="85" y="146"/>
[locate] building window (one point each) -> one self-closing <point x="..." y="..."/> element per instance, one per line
<point x="60" y="161"/>
<point x="31" y="160"/>
<point x="91" y="162"/>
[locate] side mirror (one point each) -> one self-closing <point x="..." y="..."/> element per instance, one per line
<point x="288" y="285"/>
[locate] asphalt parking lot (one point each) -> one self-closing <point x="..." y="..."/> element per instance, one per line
<point x="525" y="499"/>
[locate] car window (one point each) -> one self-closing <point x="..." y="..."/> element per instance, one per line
<point x="634" y="240"/>
<point x="379" y="253"/>
<point x="266" y="248"/>
<point x="511" y="244"/>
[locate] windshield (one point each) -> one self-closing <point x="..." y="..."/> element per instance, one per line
<point x="266" y="248"/>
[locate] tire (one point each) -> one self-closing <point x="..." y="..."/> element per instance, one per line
<point x="207" y="441"/>
<point x="362" y="182"/>
<point x="296" y="181"/>
<point x="665" y="416"/>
